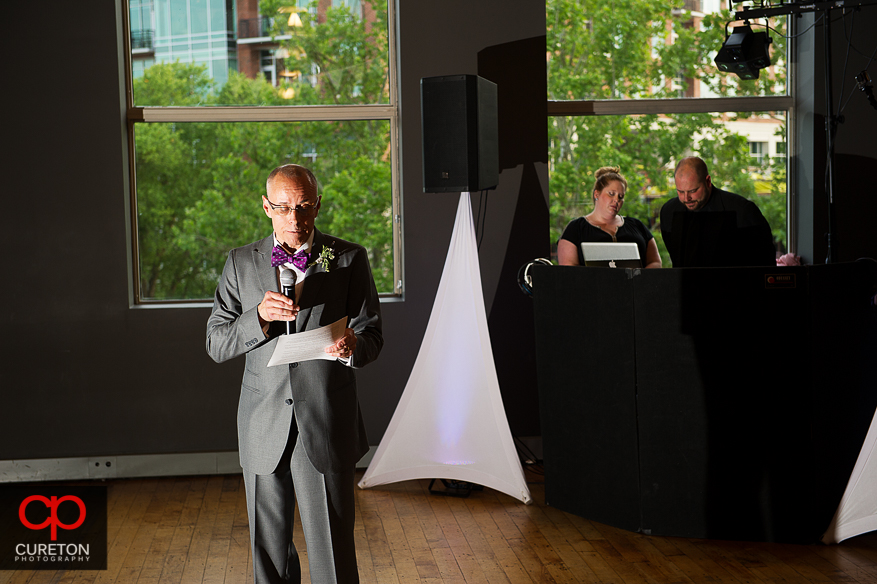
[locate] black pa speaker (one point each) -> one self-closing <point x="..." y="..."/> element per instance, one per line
<point x="460" y="135"/>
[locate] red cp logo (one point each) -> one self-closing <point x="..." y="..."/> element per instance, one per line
<point x="51" y="504"/>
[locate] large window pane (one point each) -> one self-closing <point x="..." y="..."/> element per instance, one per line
<point x="602" y="52"/>
<point x="200" y="170"/>
<point x="634" y="49"/>
<point x="647" y="148"/>
<point x="199" y="188"/>
<point x="179" y="17"/>
<point x="200" y="15"/>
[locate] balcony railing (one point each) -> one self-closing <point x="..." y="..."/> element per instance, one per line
<point x="251" y="28"/>
<point x="141" y="39"/>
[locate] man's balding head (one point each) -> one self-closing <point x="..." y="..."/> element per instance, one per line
<point x="693" y="183"/>
<point x="295" y="173"/>
<point x="292" y="202"/>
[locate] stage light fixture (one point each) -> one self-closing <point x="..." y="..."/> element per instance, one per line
<point x="744" y="53"/>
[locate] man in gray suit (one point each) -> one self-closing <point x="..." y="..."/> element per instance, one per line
<point x="299" y="425"/>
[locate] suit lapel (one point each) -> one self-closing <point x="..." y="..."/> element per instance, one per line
<point x="262" y="259"/>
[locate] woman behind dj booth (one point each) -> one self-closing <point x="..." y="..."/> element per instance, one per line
<point x="604" y="224"/>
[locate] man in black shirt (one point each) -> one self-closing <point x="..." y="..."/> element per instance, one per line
<point x="708" y="227"/>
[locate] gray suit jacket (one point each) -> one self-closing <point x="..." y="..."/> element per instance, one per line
<point x="321" y="393"/>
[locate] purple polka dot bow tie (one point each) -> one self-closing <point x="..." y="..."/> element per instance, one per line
<point x="279" y="257"/>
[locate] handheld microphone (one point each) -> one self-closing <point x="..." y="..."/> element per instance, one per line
<point x="287" y="286"/>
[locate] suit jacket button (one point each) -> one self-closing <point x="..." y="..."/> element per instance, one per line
<point x="289" y="402"/>
<point x="293" y="365"/>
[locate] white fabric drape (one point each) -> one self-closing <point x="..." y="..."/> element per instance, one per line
<point x="450" y="422"/>
<point x="857" y="512"/>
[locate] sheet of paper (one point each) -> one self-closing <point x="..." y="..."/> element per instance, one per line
<point x="308" y="345"/>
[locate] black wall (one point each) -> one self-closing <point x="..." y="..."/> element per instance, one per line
<point x="85" y="373"/>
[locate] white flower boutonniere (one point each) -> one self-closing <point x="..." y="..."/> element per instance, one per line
<point x="327" y="254"/>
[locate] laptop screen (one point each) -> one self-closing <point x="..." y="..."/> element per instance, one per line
<point x="611" y="255"/>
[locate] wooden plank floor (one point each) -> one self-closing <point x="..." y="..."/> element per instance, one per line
<point x="194" y="529"/>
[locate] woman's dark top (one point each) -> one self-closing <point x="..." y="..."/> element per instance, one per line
<point x="632" y="230"/>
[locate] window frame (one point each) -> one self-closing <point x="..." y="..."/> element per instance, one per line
<point x="303" y="113"/>
<point x="686" y="105"/>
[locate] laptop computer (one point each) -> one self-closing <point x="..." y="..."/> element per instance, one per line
<point x="611" y="255"/>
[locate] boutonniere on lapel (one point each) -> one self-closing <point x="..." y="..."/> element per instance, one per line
<point x="327" y="254"/>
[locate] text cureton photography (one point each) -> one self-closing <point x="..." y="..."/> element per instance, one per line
<point x="52" y="552"/>
<point x="53" y="527"/>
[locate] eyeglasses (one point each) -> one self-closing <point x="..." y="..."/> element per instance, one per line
<point x="283" y="210"/>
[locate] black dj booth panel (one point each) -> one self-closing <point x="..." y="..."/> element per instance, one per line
<point x="724" y="403"/>
<point x="586" y="418"/>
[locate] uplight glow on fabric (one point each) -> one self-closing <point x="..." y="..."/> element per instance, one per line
<point x="450" y="422"/>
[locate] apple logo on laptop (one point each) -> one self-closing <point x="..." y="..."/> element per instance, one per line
<point x="611" y="263"/>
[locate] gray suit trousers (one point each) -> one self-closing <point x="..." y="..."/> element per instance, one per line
<point x="326" y="506"/>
